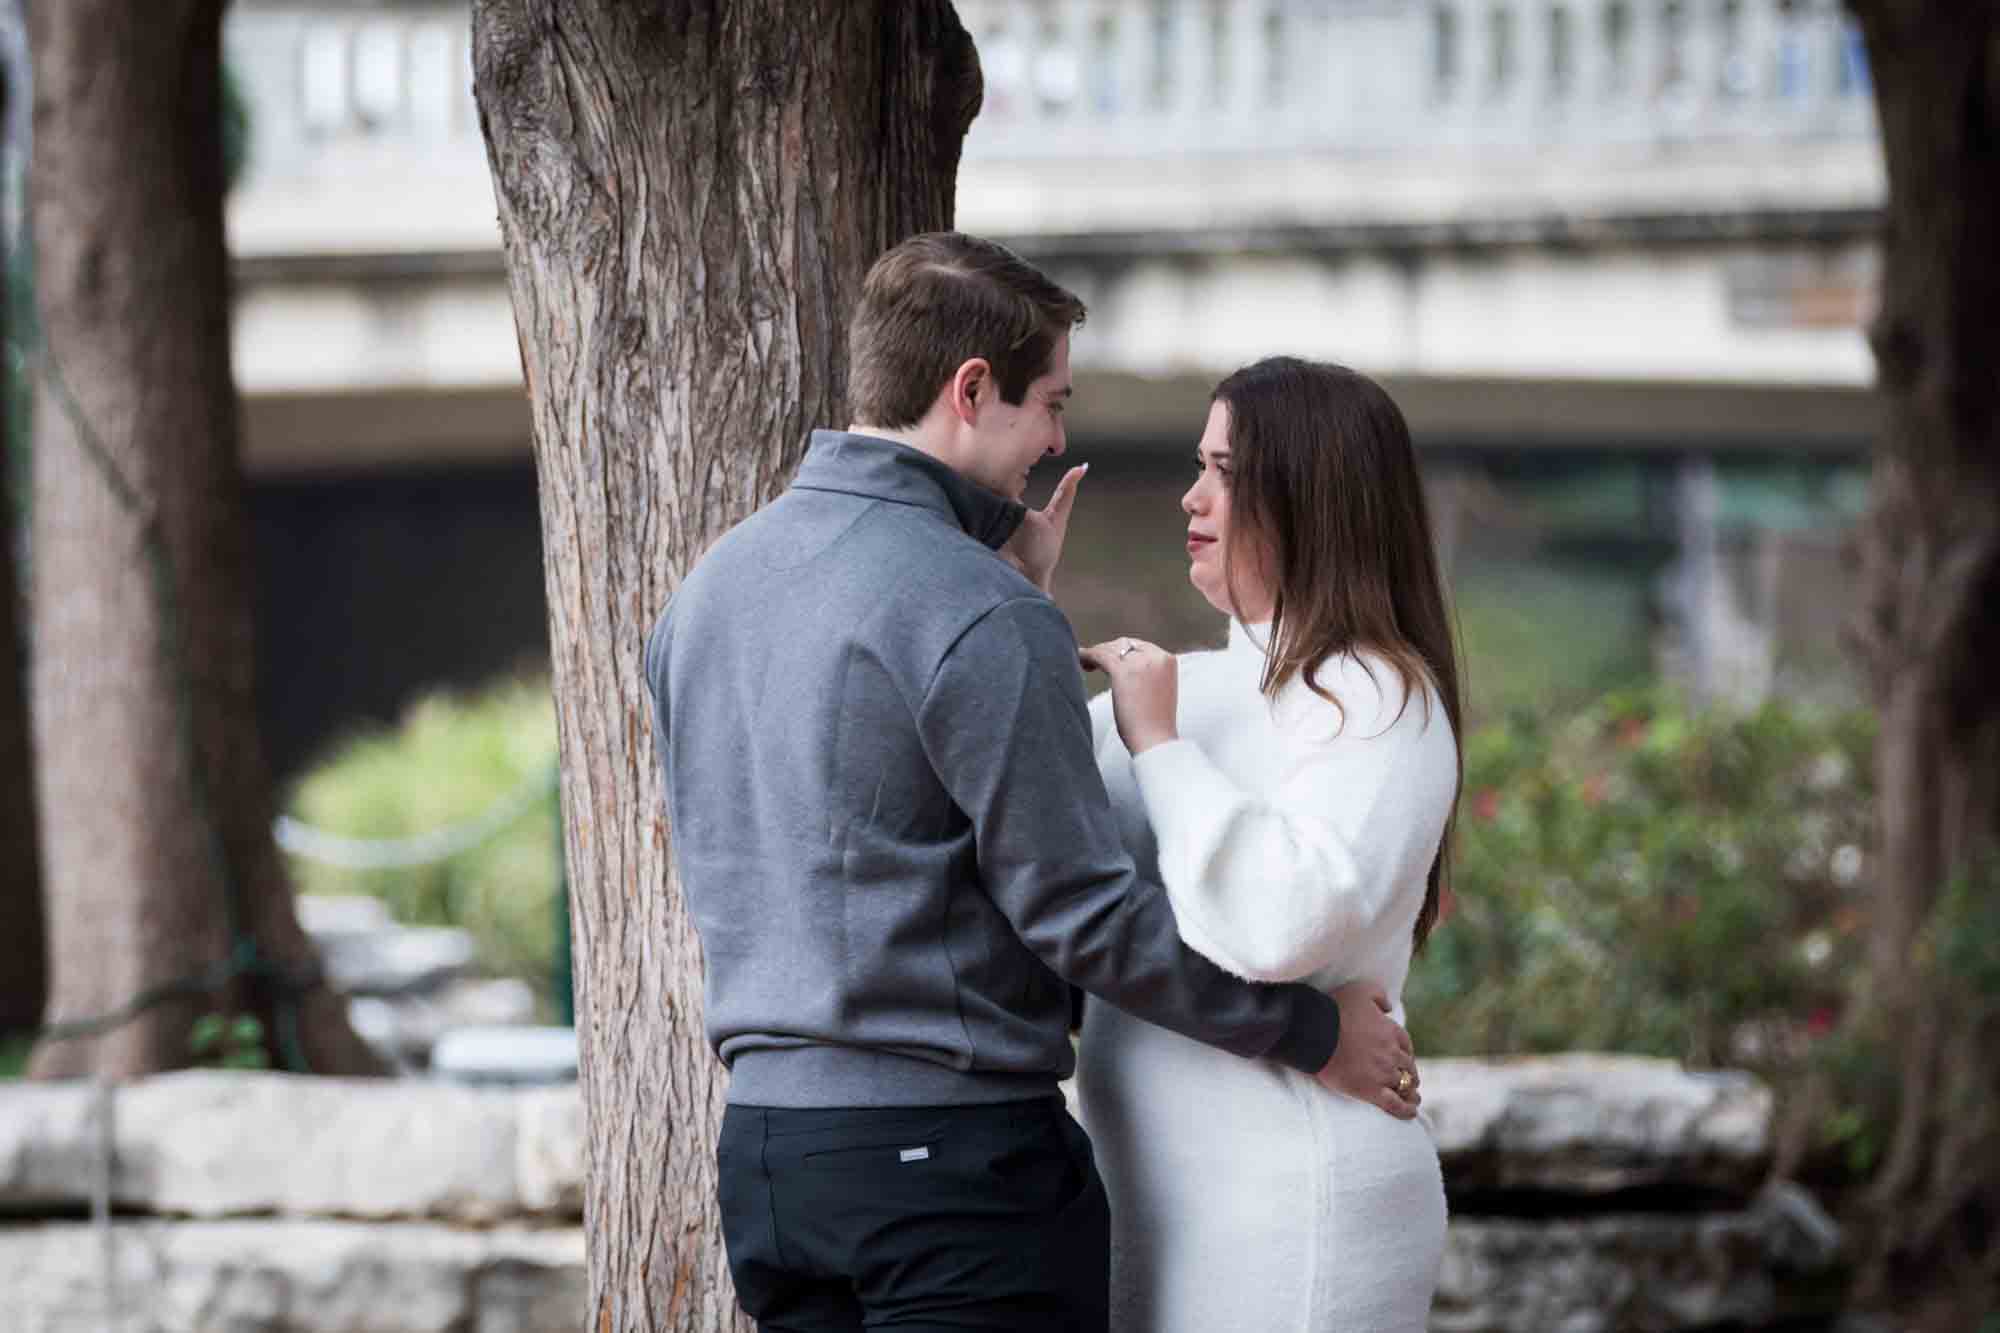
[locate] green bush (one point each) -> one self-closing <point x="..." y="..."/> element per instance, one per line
<point x="452" y="760"/>
<point x="1634" y="877"/>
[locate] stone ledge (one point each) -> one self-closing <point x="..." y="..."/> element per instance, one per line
<point x="293" y="1277"/>
<point x="212" y="1144"/>
<point x="1596" y="1124"/>
<point x="1610" y="1274"/>
<point x="206" y="1143"/>
<point x="1639" y="1273"/>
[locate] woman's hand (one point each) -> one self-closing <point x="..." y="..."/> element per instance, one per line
<point x="1145" y="690"/>
<point x="1037" y="544"/>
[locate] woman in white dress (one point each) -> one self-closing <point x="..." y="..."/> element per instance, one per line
<point x="1294" y="793"/>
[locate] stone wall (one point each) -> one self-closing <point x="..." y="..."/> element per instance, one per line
<point x="1589" y="1193"/>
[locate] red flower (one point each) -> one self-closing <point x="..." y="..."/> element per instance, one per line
<point x="1821" y="1020"/>
<point x="1594" y="788"/>
<point x="1485" y="804"/>
<point x="1631" y="732"/>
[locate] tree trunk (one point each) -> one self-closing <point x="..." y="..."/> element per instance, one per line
<point x="689" y="196"/>
<point x="1928" y="627"/>
<point x="165" y="894"/>
<point x="23" y="972"/>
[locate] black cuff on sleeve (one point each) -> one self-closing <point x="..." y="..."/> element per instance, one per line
<point x="1309" y="1041"/>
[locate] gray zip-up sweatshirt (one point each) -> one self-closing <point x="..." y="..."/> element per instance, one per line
<point x="885" y="812"/>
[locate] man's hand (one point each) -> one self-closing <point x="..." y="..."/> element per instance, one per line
<point x="1037" y="544"/>
<point x="1374" y="1055"/>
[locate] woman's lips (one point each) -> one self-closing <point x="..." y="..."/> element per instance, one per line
<point x="1196" y="542"/>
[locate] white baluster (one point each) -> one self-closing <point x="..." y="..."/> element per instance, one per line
<point x="1191" y="59"/>
<point x="1312" y="52"/>
<point x="1132" y="47"/>
<point x="1503" y="51"/>
<point x="1247" y="84"/>
<point x="1760" y="53"/>
<point x="326" y="100"/>
<point x="1062" y="39"/>
<point x="1590" y="55"/>
<point x="1006" y="58"/>
<point x="1649" y="52"/>
<point x="1824" y="29"/>
<point x="378" y="74"/>
<point x="434" y="77"/>
<point x="1530" y="93"/>
<point x="1704" y="47"/>
<point x="1097" y="31"/>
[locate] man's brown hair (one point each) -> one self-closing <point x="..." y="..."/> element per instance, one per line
<point x="934" y="302"/>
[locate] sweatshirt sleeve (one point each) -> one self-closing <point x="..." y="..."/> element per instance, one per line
<point x="1006" y="727"/>
<point x="1277" y="886"/>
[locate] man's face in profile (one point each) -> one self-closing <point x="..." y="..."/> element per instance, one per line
<point x="1010" y="438"/>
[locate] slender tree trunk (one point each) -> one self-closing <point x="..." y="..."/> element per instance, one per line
<point x="23" y="971"/>
<point x="154" y="796"/>
<point x="689" y="196"/>
<point x="1929" y="627"/>
<point x="23" y="974"/>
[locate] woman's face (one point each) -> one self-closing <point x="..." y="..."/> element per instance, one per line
<point x="1207" y="507"/>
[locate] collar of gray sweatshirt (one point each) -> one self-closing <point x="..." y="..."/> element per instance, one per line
<point x="886" y="817"/>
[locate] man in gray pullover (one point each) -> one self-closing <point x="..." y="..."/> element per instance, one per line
<point x="892" y="835"/>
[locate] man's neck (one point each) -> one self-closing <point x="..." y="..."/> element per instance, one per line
<point x="913" y="437"/>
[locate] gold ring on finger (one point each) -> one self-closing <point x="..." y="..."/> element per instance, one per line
<point x="1404" y="1082"/>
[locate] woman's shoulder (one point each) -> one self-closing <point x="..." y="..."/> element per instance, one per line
<point x="1370" y="701"/>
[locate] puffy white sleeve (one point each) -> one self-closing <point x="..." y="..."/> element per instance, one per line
<point x="1275" y="886"/>
<point x="1101" y="722"/>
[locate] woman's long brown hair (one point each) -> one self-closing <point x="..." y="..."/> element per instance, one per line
<point x="1324" y="490"/>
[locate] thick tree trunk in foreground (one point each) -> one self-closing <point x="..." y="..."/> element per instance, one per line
<point x="1930" y="623"/>
<point x="689" y="196"/>
<point x="154" y="797"/>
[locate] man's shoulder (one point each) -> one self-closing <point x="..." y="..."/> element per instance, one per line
<point x="877" y="566"/>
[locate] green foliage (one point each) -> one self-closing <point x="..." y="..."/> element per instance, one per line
<point x="1639" y="878"/>
<point x="14" y="1051"/>
<point x="22" y="337"/>
<point x="228" y="1041"/>
<point x="1547" y="633"/>
<point x="1962" y="940"/>
<point x="452" y="760"/>
<point x="235" y="129"/>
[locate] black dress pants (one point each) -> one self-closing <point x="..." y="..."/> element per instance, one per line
<point x="915" y="1219"/>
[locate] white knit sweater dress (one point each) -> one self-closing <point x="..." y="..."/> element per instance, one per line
<point x="1294" y="847"/>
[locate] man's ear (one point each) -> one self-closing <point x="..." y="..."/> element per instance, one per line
<point x="971" y="385"/>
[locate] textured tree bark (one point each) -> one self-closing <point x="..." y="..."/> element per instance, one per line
<point x="689" y="195"/>
<point x="155" y="802"/>
<point x="1929" y="626"/>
